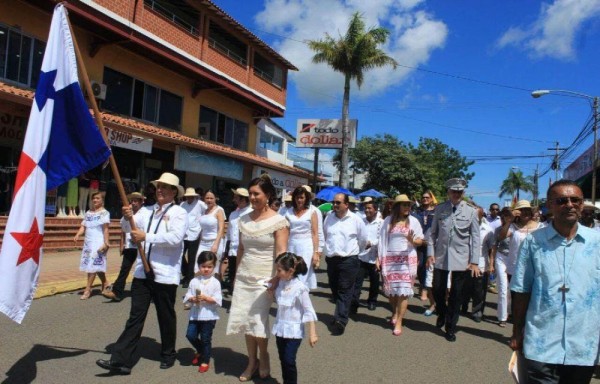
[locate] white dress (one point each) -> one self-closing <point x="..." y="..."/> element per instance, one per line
<point x="294" y="309"/>
<point x="209" y="225"/>
<point x="249" y="313"/>
<point x="300" y="243"/>
<point x="91" y="260"/>
<point x="516" y="238"/>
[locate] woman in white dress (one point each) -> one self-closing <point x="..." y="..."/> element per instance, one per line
<point x="304" y="234"/>
<point x="400" y="234"/>
<point x="212" y="229"/>
<point x="95" y="244"/>
<point x="263" y="236"/>
<point x="517" y="227"/>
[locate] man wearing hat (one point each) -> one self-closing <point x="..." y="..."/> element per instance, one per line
<point x="241" y="199"/>
<point x="129" y="253"/>
<point x="194" y="208"/>
<point x="453" y="246"/>
<point x="587" y="216"/>
<point x="162" y="232"/>
<point x="287" y="204"/>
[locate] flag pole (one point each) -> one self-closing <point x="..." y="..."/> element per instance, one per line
<point x="111" y="159"/>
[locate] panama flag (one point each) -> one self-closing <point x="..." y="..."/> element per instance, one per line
<point x="61" y="142"/>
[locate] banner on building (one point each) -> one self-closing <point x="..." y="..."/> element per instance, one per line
<point x="324" y="133"/>
<point x="192" y="160"/>
<point x="281" y="180"/>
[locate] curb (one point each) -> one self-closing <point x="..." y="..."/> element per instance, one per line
<point x="55" y="288"/>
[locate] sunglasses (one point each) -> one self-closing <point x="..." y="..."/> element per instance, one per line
<point x="337" y="202"/>
<point x="494" y="209"/>
<point x="565" y="200"/>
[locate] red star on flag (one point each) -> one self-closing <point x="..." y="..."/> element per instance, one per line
<point x="31" y="242"/>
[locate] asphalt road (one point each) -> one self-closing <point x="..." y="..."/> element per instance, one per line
<point x="62" y="336"/>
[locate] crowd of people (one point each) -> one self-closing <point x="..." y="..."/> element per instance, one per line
<point x="546" y="269"/>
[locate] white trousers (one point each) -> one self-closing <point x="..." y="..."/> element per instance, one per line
<point x="502" y="286"/>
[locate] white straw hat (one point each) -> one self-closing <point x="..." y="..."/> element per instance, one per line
<point x="190" y="192"/>
<point x="170" y="179"/>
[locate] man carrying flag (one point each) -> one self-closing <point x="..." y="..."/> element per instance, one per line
<point x="61" y="142"/>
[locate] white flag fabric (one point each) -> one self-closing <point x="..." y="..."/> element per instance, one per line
<point x="61" y="142"/>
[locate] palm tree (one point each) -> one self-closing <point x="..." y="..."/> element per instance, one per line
<point x="516" y="182"/>
<point x="352" y="54"/>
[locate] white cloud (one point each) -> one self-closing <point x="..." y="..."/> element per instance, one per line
<point x="414" y="35"/>
<point x="554" y="31"/>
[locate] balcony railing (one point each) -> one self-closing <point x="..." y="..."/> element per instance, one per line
<point x="226" y="51"/>
<point x="172" y="17"/>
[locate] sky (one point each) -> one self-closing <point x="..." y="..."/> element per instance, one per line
<point x="465" y="76"/>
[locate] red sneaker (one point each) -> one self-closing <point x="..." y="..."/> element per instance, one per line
<point x="203" y="368"/>
<point x="196" y="359"/>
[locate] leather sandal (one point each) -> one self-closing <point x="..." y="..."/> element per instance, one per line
<point x="85" y="295"/>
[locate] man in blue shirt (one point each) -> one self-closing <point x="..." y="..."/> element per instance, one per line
<point x="556" y="285"/>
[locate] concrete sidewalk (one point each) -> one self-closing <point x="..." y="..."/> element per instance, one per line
<point x="59" y="272"/>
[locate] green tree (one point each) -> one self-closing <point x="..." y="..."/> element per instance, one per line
<point x="516" y="182"/>
<point x="352" y="54"/>
<point x="393" y="167"/>
<point x="438" y="162"/>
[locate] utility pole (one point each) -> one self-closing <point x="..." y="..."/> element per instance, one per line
<point x="536" y="186"/>
<point x="595" y="157"/>
<point x="556" y="163"/>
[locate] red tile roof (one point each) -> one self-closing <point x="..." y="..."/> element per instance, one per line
<point x="25" y="96"/>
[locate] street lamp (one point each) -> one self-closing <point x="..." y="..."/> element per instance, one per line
<point x="594" y="104"/>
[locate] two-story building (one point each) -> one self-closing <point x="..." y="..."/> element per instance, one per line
<point x="182" y="86"/>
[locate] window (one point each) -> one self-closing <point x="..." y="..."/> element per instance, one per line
<point x="227" y="44"/>
<point x="186" y="19"/>
<point x="223" y="129"/>
<point x="267" y="70"/>
<point x="20" y="57"/>
<point x="271" y="142"/>
<point x="132" y="97"/>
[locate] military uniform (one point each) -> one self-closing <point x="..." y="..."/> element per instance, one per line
<point x="454" y="241"/>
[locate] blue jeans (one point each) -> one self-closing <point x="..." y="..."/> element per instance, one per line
<point x="287" y="349"/>
<point x="204" y="329"/>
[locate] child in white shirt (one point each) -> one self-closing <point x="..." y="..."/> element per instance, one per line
<point x="204" y="293"/>
<point x="294" y="309"/>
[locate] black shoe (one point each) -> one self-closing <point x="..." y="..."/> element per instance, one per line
<point x="477" y="319"/>
<point x="113" y="367"/>
<point x="372" y="306"/>
<point x="166" y="364"/>
<point x="450" y="336"/>
<point x="353" y="309"/>
<point x="338" y="328"/>
<point x="185" y="284"/>
<point x="440" y="322"/>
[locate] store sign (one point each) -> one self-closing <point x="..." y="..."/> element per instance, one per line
<point x="324" y="133"/>
<point x="192" y="160"/>
<point x="128" y="141"/>
<point x="281" y="180"/>
<point x="12" y="127"/>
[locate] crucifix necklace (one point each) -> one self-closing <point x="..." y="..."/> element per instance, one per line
<point x="565" y="288"/>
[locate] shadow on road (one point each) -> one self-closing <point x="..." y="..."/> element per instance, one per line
<point x="24" y="371"/>
<point x="232" y="363"/>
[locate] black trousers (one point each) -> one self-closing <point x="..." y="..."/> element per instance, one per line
<point x="476" y="289"/>
<point x="129" y="256"/>
<point x="370" y="270"/>
<point x="341" y="272"/>
<point x="143" y="292"/>
<point x="544" y="373"/>
<point x="451" y="311"/>
<point x="231" y="271"/>
<point x="190" y="248"/>
<point x="287" y="349"/>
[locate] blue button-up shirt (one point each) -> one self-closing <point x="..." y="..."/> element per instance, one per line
<point x="558" y="332"/>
